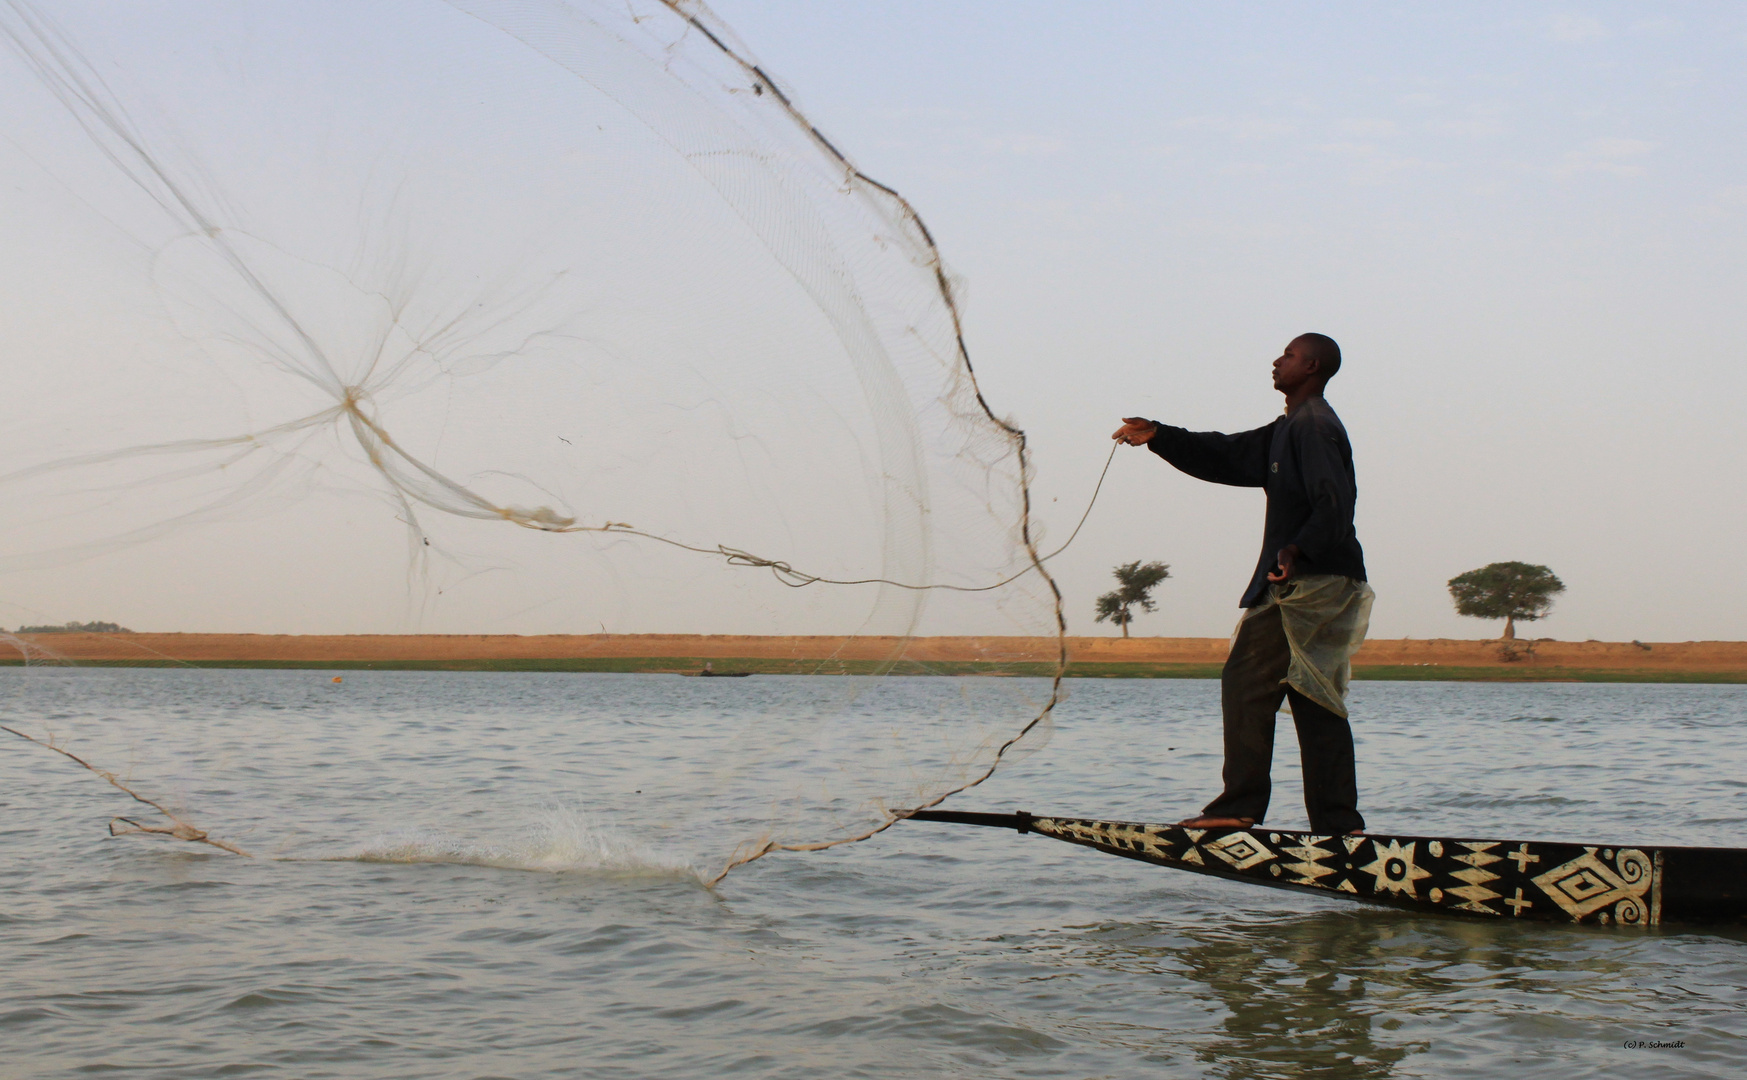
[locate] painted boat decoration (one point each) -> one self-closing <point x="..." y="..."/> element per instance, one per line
<point x="1501" y="879"/>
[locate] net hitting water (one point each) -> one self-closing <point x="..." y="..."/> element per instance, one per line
<point x="522" y="316"/>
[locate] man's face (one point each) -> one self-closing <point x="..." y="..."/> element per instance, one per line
<point x="1294" y="368"/>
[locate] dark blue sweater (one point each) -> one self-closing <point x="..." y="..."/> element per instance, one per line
<point x="1305" y="464"/>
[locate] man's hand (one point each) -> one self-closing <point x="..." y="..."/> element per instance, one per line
<point x="1286" y="564"/>
<point x="1136" y="431"/>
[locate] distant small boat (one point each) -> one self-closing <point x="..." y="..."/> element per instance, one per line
<point x="1502" y="879"/>
<point x="710" y="672"/>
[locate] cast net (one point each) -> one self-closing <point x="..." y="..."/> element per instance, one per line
<point x="508" y="316"/>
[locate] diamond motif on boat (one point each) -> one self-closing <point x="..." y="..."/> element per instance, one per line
<point x="1240" y="849"/>
<point x="1586" y="885"/>
<point x="1393" y="868"/>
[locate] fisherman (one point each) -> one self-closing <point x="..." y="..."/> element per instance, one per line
<point x="1307" y="605"/>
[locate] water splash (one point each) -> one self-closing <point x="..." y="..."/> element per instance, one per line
<point x="558" y="840"/>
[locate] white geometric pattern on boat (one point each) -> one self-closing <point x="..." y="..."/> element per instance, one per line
<point x="1121" y="835"/>
<point x="1309" y="856"/>
<point x="1140" y="838"/>
<point x="1586" y="885"/>
<point x="1393" y="867"/>
<point x="1240" y="849"/>
<point x="1474" y="892"/>
<point x="1482" y="877"/>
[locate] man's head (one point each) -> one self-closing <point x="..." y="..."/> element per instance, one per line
<point x="1309" y="362"/>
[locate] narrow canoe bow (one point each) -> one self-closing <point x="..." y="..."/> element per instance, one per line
<point x="1511" y="879"/>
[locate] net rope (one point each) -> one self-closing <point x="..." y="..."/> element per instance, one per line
<point x="328" y="284"/>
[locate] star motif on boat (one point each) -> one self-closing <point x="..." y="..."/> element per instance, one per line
<point x="1393" y="867"/>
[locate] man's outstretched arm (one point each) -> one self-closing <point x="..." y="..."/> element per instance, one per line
<point x="1240" y="460"/>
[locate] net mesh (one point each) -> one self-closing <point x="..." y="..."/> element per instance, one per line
<point x="520" y="316"/>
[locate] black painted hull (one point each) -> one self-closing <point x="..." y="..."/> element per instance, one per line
<point x="1501" y="879"/>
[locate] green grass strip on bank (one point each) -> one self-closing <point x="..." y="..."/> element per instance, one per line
<point x="678" y="665"/>
<point x="1528" y="672"/>
<point x="1539" y="673"/>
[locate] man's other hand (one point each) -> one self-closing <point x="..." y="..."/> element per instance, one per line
<point x="1286" y="561"/>
<point x="1136" y="431"/>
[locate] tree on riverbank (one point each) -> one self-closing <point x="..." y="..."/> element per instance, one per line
<point x="1508" y="591"/>
<point x="1136" y="581"/>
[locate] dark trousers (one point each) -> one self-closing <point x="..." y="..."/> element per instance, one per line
<point x="1251" y="689"/>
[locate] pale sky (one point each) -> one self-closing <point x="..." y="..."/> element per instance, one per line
<point x="1525" y="224"/>
<point x="1525" y="229"/>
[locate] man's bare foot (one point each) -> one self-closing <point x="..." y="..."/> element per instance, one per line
<point x="1217" y="823"/>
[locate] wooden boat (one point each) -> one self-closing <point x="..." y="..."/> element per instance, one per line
<point x="1500" y="879"/>
<point x="710" y="672"/>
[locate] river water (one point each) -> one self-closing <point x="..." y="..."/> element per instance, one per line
<point x="453" y="895"/>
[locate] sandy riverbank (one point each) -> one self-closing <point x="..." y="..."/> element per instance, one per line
<point x="1705" y="661"/>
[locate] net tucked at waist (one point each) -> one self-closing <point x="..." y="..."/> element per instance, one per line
<point x="1325" y="617"/>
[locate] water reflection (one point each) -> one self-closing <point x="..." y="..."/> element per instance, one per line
<point x="1298" y="994"/>
<point x="1348" y="993"/>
